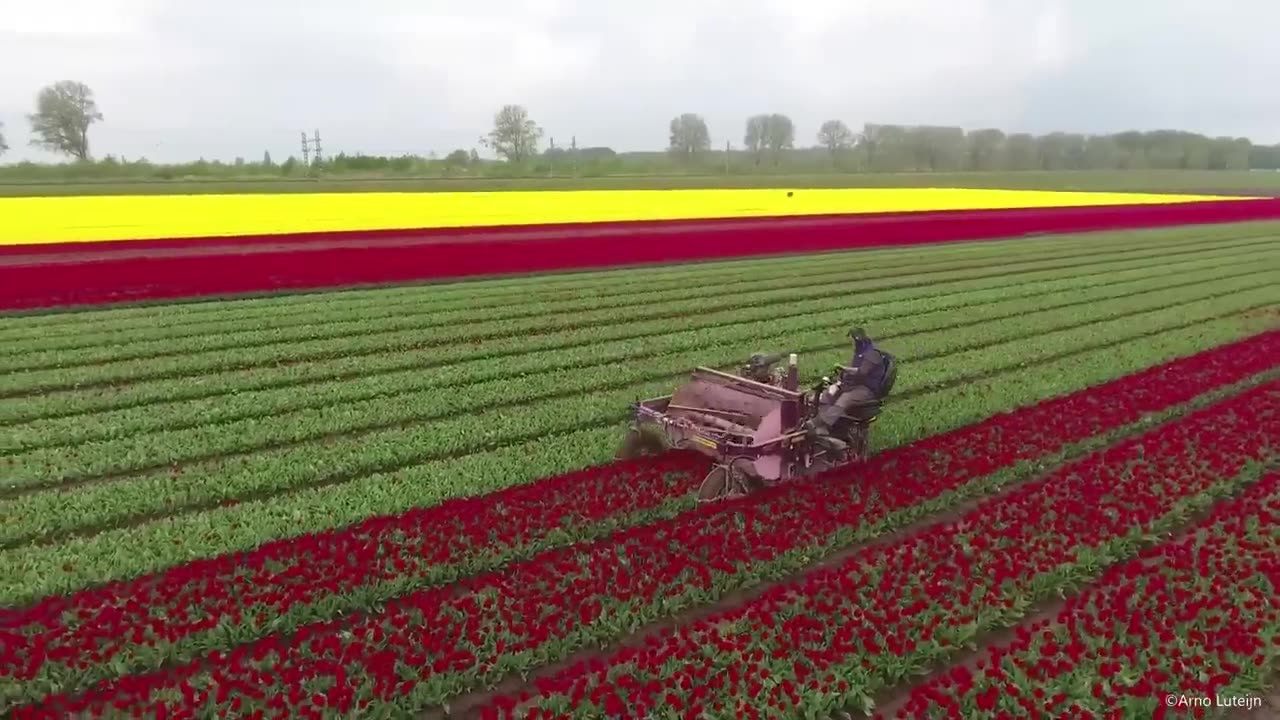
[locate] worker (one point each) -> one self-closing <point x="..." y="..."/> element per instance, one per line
<point x="857" y="392"/>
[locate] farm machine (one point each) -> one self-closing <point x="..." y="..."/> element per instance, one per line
<point x="754" y="425"/>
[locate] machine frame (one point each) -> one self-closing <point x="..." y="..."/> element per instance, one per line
<point x="753" y="431"/>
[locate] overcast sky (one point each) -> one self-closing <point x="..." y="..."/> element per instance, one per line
<point x="180" y="79"/>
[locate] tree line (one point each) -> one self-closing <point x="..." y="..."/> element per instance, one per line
<point x="902" y="148"/>
<point x="66" y="110"/>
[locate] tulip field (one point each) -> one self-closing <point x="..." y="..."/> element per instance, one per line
<point x="402" y="502"/>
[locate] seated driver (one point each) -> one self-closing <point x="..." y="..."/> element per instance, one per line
<point x="867" y="382"/>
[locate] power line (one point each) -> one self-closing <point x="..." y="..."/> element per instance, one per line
<point x="311" y="151"/>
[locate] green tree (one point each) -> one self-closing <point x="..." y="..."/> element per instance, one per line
<point x="985" y="149"/>
<point x="3" y="145"/>
<point x="1101" y="153"/>
<point x="266" y="159"/>
<point x="1230" y="153"/>
<point x="756" y="137"/>
<point x="769" y="132"/>
<point x="1021" y="149"/>
<point x="936" y="148"/>
<point x="780" y="134"/>
<point x="455" y="161"/>
<point x="64" y="112"/>
<point x="514" y="135"/>
<point x="689" y="136"/>
<point x="835" y="136"/>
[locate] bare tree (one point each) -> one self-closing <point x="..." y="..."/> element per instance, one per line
<point x="780" y="134"/>
<point x="757" y="130"/>
<point x="757" y="135"/>
<point x="689" y="136"/>
<point x="3" y="145"/>
<point x="64" y="112"/>
<point x="514" y="135"/>
<point x="774" y="133"/>
<point x="835" y="136"/>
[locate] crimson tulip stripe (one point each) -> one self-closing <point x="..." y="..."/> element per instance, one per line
<point x="826" y="278"/>
<point x="289" y="309"/>
<point x="340" y="313"/>
<point x="687" y="559"/>
<point x="60" y="281"/>
<point x="1200" y="617"/>
<point x="442" y="345"/>
<point x="827" y="640"/>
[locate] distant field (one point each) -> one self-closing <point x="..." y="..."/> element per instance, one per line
<point x="41" y="220"/>
<point x="1181" y="181"/>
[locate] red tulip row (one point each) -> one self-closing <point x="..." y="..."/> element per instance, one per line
<point x="432" y="644"/>
<point x="218" y="267"/>
<point x="170" y="616"/>
<point x="254" y="589"/>
<point x="830" y="638"/>
<point x="1189" y="625"/>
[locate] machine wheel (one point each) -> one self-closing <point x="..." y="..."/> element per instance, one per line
<point x="743" y="478"/>
<point x="729" y="481"/>
<point x="715" y="485"/>
<point x="642" y="442"/>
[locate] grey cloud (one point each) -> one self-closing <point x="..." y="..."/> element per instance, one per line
<point x="221" y="78"/>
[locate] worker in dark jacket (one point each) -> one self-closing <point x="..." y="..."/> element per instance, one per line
<point x="857" y="390"/>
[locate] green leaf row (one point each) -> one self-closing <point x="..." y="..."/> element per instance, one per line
<point x="34" y="571"/>
<point x="58" y="403"/>
<point x="991" y="303"/>
<point x="474" y="427"/>
<point x="299" y="305"/>
<point x="49" y="514"/>
<point x="515" y="336"/>
<point x="151" y="654"/>
<point x="296" y="306"/>
<point x="150" y="341"/>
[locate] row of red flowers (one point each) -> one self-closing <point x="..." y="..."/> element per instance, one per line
<point x="220" y="268"/>
<point x="65" y="643"/>
<point x="435" y="643"/>
<point x="832" y="638"/>
<point x="251" y="591"/>
<point x="1192" y="619"/>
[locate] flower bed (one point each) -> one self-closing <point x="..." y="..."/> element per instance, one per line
<point x="491" y="624"/>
